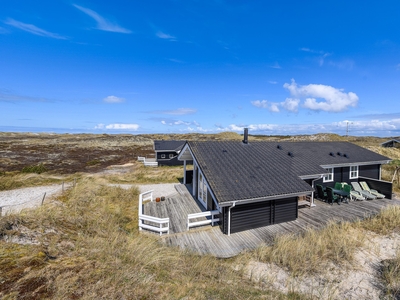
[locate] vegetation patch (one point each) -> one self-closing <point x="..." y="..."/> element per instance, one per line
<point x="38" y="169"/>
<point x="310" y="252"/>
<point x="390" y="276"/>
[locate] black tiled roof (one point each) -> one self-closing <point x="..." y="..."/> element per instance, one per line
<point x="172" y="145"/>
<point x="237" y="171"/>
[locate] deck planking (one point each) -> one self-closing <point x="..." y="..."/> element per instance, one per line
<point x="207" y="240"/>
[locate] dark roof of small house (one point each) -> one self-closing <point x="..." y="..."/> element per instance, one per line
<point x="395" y="140"/>
<point x="237" y="171"/>
<point x="168" y="145"/>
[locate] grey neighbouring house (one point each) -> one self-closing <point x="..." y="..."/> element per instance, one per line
<point x="255" y="184"/>
<point x="393" y="143"/>
<point x="167" y="152"/>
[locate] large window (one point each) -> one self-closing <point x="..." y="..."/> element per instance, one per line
<point x="202" y="189"/>
<point x="353" y="172"/>
<point x="329" y="176"/>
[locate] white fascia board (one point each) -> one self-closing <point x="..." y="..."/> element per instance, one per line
<point x="269" y="198"/>
<point x="186" y="147"/>
<point x="313" y="176"/>
<point x="379" y="162"/>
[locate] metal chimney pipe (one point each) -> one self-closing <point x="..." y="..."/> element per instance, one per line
<point x="246" y="136"/>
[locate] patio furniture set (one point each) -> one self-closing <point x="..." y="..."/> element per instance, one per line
<point x="343" y="192"/>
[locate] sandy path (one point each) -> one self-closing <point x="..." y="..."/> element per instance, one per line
<point x="16" y="200"/>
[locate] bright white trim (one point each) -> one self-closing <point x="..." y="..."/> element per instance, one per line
<point x="211" y="214"/>
<point x="329" y="176"/>
<point x="353" y="173"/>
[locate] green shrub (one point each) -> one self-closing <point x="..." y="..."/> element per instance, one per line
<point x="38" y="169"/>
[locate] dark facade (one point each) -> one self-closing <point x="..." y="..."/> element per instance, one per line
<point x="167" y="152"/>
<point x="258" y="184"/>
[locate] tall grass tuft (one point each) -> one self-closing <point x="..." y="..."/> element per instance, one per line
<point x="309" y="253"/>
<point x="387" y="221"/>
<point x="390" y="276"/>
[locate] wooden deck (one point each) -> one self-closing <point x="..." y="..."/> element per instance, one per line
<point x="210" y="240"/>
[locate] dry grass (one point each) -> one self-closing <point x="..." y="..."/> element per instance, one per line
<point x="309" y="253"/>
<point x="16" y="180"/>
<point x="89" y="248"/>
<point x="387" y="221"/>
<point x="390" y="276"/>
<point x="142" y="174"/>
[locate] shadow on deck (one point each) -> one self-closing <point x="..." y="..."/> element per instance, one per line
<point x="210" y="240"/>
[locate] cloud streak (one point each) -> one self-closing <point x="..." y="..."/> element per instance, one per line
<point x="175" y="112"/>
<point x="6" y="97"/>
<point x="165" y="36"/>
<point x="113" y="99"/>
<point x="118" y="126"/>
<point x="33" y="29"/>
<point x="102" y="23"/>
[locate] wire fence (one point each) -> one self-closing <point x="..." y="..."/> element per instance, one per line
<point x="32" y="201"/>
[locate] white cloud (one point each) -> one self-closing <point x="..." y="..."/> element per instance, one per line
<point x="165" y="36"/>
<point x="33" y="29"/>
<point x="177" y="112"/>
<point x="260" y="103"/>
<point x="276" y="66"/>
<point x="333" y="100"/>
<point x="175" y="122"/>
<point x="272" y="82"/>
<point x="118" y="126"/>
<point x="102" y="23"/>
<point x="291" y="104"/>
<point x="113" y="99"/>
<point x="321" y="54"/>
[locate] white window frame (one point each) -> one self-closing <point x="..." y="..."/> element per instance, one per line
<point x="354" y="172"/>
<point x="202" y="190"/>
<point x="329" y="177"/>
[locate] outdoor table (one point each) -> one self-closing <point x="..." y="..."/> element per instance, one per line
<point x="342" y="194"/>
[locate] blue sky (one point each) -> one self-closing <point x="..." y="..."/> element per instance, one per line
<point x="289" y="67"/>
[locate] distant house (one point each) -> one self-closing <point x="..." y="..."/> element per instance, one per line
<point x="254" y="184"/>
<point x="167" y="152"/>
<point x="394" y="143"/>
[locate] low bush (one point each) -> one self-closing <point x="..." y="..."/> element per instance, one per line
<point x="38" y="169"/>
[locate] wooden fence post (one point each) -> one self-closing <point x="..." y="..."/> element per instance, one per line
<point x="44" y="196"/>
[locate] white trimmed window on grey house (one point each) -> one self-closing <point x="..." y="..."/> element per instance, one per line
<point x="329" y="177"/>
<point x="353" y="172"/>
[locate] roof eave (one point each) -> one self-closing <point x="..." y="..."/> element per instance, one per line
<point x="268" y="198"/>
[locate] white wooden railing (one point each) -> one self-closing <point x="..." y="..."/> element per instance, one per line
<point x="211" y="221"/>
<point x="158" y="221"/>
<point x="147" y="163"/>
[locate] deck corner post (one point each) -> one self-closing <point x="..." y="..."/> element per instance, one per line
<point x="184" y="171"/>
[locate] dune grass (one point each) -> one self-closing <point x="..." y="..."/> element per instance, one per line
<point x="16" y="180"/>
<point x="88" y="246"/>
<point x="144" y="175"/>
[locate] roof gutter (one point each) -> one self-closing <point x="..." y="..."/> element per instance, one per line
<point x="268" y="198"/>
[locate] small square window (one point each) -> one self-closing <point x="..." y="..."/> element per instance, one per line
<point x="329" y="177"/>
<point x="353" y="172"/>
<point x="162" y="155"/>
